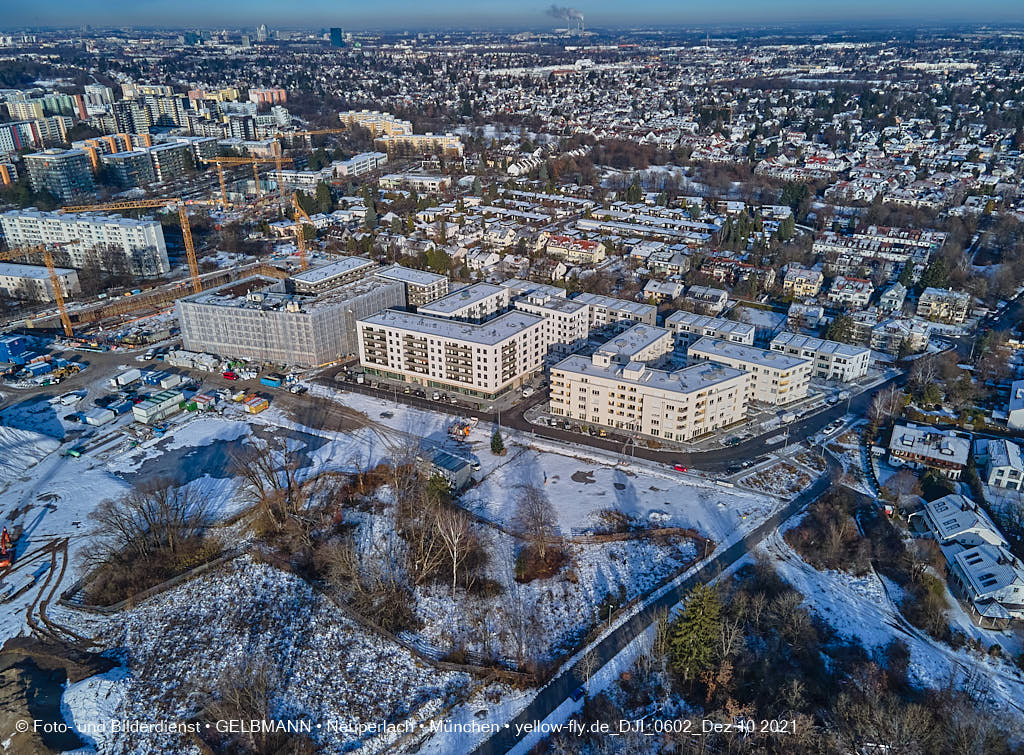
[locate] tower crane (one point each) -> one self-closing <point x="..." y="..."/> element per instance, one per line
<point x="58" y="294"/>
<point x="220" y="162"/>
<point x="300" y="241"/>
<point x="142" y="204"/>
<point x="285" y="135"/>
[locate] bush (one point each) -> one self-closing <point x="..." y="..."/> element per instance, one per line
<point x="122" y="575"/>
<point x="530" y="566"/>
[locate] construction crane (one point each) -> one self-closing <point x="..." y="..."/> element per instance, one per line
<point x="220" y="162"/>
<point x="58" y="294"/>
<point x="283" y="135"/>
<point x="143" y="204"/>
<point x="300" y="241"/>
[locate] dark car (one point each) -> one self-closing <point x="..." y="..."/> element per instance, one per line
<point x="734" y="468"/>
<point x="578" y="694"/>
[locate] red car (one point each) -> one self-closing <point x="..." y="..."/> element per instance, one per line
<point x="680" y="468"/>
<point x="229" y="375"/>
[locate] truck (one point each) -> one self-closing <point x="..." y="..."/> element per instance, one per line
<point x="273" y="381"/>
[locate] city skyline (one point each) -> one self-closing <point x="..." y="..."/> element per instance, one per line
<point x="404" y="14"/>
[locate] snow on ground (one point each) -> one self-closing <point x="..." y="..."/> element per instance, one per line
<point x="92" y="702"/>
<point x="550" y="615"/>
<point x="180" y="644"/>
<point x="861" y="608"/>
<point x="579" y="487"/>
<point x="52" y="501"/>
<point x="21" y="450"/>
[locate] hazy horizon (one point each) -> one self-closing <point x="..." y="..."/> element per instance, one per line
<point x="452" y="14"/>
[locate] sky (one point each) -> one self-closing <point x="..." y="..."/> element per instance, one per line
<point x="412" y="14"/>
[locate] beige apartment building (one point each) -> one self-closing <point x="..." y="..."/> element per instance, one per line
<point x="632" y="396"/>
<point x="775" y="378"/>
<point x="481" y="360"/>
<point x="800" y="282"/>
<point x="943" y="305"/>
<point x="576" y="251"/>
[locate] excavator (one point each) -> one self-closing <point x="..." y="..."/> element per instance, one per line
<point x="6" y="550"/>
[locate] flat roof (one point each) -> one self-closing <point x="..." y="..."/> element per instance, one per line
<point x="487" y="334"/>
<point x="620" y="305"/>
<point x="520" y="287"/>
<point x="634" y="340"/>
<point x="818" y="345"/>
<point x="342" y="266"/>
<point x="37" y="272"/>
<point x="716" y="347"/>
<point x="718" y="324"/>
<point x="687" y="380"/>
<point x="464" y="297"/>
<point x="237" y="295"/>
<point x="79" y="217"/>
<point x="409" y="275"/>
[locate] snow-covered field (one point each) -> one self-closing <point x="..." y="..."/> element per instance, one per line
<point x="546" y="618"/>
<point x="179" y="645"/>
<point x="581" y="486"/>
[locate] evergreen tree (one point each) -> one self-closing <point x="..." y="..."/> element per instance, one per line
<point x="476" y="187"/>
<point x="694" y="635"/>
<point x="497" y="444"/>
<point x="323" y="200"/>
<point x="935" y="275"/>
<point x="370" y="221"/>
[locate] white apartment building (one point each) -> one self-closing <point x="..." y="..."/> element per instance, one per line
<point x="482" y="360"/>
<point x="474" y="303"/>
<point x="32" y="282"/>
<point x="325" y="277"/>
<point x="776" y="378"/>
<point x="640" y="343"/>
<point x="419" y="182"/>
<point x="93" y="237"/>
<point x="567" y="322"/>
<point x="689" y="327"/>
<point x="852" y="292"/>
<point x="832" y="360"/>
<point x="630" y="395"/>
<point x="421" y="286"/>
<point x="605" y="310"/>
<point x="943" y="305"/>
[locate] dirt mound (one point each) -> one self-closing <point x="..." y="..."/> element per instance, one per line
<point x="32" y="678"/>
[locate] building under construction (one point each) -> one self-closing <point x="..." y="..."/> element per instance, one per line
<point x="257" y="318"/>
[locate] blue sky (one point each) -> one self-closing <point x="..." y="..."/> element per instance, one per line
<point x="410" y="14"/>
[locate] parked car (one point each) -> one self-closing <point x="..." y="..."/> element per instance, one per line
<point x="680" y="468"/>
<point x="578" y="694"/>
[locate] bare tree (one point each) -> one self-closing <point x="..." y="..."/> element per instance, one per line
<point x="158" y="516"/>
<point x="454" y="531"/>
<point x="535" y="520"/>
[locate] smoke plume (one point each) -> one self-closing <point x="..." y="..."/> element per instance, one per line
<point x="566" y="14"/>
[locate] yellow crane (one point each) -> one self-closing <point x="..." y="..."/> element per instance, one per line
<point x="286" y="135"/>
<point x="143" y="204"/>
<point x="58" y="293"/>
<point x="220" y="162"/>
<point x="300" y="241"/>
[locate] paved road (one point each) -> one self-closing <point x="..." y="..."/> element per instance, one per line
<point x="559" y="689"/>
<point x="717" y="460"/>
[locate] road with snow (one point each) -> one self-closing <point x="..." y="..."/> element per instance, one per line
<point x="718" y="460"/>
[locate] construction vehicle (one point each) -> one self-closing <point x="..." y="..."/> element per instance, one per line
<point x="220" y="162"/>
<point x="300" y="240"/>
<point x="58" y="293"/>
<point x="142" y="204"/>
<point x="461" y="428"/>
<point x="6" y="550"/>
